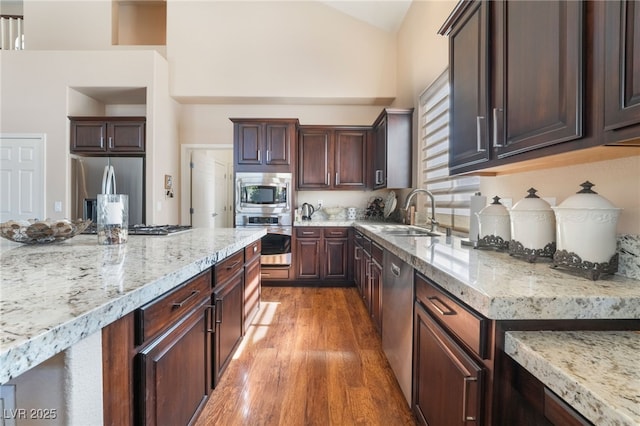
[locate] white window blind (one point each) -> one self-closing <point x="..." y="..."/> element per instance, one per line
<point x="451" y="194"/>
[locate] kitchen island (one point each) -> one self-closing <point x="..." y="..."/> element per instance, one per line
<point x="55" y="295"/>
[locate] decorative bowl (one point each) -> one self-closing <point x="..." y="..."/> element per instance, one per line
<point x="332" y="212"/>
<point x="42" y="231"/>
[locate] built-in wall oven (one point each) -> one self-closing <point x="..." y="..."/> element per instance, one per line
<point x="264" y="199"/>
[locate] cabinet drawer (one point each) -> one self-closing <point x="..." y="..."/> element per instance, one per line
<point x="159" y="314"/>
<point x="366" y="245"/>
<point x="358" y="238"/>
<point x="470" y="327"/>
<point x="308" y="232"/>
<point x="252" y="251"/>
<point x="228" y="267"/>
<point x="274" y="274"/>
<point x="336" y="232"/>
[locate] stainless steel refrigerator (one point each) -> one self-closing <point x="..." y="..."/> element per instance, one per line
<point x="86" y="184"/>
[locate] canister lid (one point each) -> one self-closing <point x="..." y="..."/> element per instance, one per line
<point x="531" y="202"/>
<point x="494" y="209"/>
<point x="586" y="198"/>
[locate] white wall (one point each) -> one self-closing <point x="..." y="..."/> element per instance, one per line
<point x="277" y="50"/>
<point x="36" y="99"/>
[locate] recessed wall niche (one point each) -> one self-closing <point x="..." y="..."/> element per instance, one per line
<point x="139" y="22"/>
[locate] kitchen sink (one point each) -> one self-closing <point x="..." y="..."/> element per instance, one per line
<point x="413" y="233"/>
<point x="405" y="231"/>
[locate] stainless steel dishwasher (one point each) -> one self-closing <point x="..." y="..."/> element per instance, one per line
<point x="397" y="319"/>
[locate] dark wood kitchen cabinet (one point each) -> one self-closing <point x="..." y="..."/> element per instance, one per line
<point x="173" y="332"/>
<point x="322" y="254"/>
<point x="252" y="282"/>
<point x="392" y="136"/>
<point x="448" y="380"/>
<point x="264" y="145"/>
<point x="375" y="285"/>
<point x="107" y="135"/>
<point x="622" y="73"/>
<point x="331" y="157"/>
<point x="228" y="299"/>
<point x="534" y="79"/>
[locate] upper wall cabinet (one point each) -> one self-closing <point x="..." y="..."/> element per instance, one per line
<point x="622" y="97"/>
<point x="264" y="145"/>
<point x="332" y="157"/>
<point x="107" y="135"/>
<point x="528" y="79"/>
<point x="392" y="149"/>
<point x="517" y="78"/>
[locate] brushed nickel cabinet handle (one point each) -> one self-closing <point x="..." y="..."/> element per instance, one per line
<point x="479" y="134"/>
<point x="465" y="417"/>
<point x="496" y="144"/>
<point x="233" y="265"/>
<point x="210" y="313"/>
<point x="337" y="178"/>
<point x="443" y="309"/>
<point x="258" y="156"/>
<point x="218" y="311"/>
<point x="177" y="305"/>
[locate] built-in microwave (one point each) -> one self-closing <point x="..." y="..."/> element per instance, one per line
<point x="265" y="193"/>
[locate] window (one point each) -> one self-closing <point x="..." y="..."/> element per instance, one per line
<point x="451" y="193"/>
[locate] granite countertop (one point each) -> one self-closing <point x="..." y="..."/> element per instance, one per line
<point x="54" y="295"/>
<point x="502" y="287"/>
<point x="601" y="383"/>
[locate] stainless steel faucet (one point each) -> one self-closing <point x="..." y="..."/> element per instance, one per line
<point x="407" y="202"/>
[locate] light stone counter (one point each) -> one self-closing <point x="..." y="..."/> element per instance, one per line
<point x="596" y="372"/>
<point x="52" y="296"/>
<point x="502" y="287"/>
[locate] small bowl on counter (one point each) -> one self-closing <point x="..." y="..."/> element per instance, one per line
<point x="332" y="212"/>
<point x="35" y="231"/>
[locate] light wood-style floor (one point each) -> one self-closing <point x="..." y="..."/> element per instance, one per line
<point x="311" y="357"/>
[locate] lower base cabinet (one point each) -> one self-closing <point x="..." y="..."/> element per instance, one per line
<point x="179" y="359"/>
<point x="229" y="327"/>
<point x="447" y="382"/>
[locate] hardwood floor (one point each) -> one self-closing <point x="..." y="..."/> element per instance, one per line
<point x="311" y="357"/>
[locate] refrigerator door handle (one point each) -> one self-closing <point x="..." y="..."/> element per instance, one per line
<point x="108" y="180"/>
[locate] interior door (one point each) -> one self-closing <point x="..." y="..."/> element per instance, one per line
<point x="22" y="177"/>
<point x="221" y="194"/>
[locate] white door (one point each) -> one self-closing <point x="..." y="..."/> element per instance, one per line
<point x="22" y="177"/>
<point x="209" y="190"/>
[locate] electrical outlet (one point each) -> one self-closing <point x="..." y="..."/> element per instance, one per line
<point x="320" y="203"/>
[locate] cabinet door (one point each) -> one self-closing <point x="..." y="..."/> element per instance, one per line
<point x="229" y="314"/>
<point x="277" y="144"/>
<point x="366" y="282"/>
<point x="350" y="156"/>
<point x="538" y="75"/>
<point x="468" y="53"/>
<point x="315" y="158"/>
<point x="447" y="383"/>
<point x="621" y="85"/>
<point x="88" y="136"/>
<point x="126" y="136"/>
<point x="308" y="258"/>
<point x="380" y="155"/>
<point x="336" y="258"/>
<point x="357" y="268"/>
<point x="252" y="291"/>
<point x="248" y="143"/>
<point x="173" y="373"/>
<point x="376" y="294"/>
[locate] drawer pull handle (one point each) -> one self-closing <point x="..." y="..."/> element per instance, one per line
<point x="233" y="265"/>
<point x="255" y="249"/>
<point x="439" y="305"/>
<point x="336" y="233"/>
<point x="307" y="233"/>
<point x="465" y="417"/>
<point x="178" y="305"/>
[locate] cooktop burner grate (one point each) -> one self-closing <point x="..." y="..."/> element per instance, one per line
<point x="147" y="229"/>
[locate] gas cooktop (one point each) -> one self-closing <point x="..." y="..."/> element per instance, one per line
<point x="147" y="229"/>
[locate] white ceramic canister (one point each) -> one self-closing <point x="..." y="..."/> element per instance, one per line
<point x="586" y="226"/>
<point x="533" y="227"/>
<point x="494" y="225"/>
<point x="351" y="213"/>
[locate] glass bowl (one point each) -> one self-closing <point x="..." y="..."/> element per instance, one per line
<point x="42" y="231"/>
<point x="332" y="212"/>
